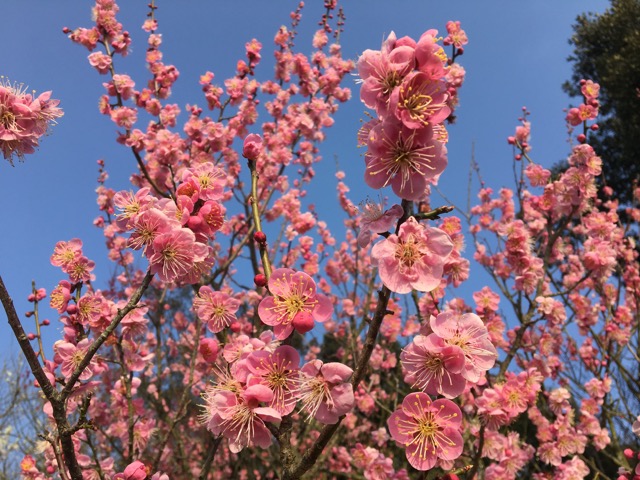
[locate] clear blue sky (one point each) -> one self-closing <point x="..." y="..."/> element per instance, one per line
<point x="516" y="56"/>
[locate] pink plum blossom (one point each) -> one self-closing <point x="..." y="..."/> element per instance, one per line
<point x="381" y="71"/>
<point x="293" y="294"/>
<point x="428" y="430"/>
<point x="419" y="101"/>
<point x="64" y="253"/>
<point x="457" y="37"/>
<point x="433" y="366"/>
<point x="24" y="119"/>
<point x="60" y="296"/>
<point x="324" y="390"/>
<point x="240" y="418"/>
<point x="173" y="255"/>
<point x="375" y="220"/>
<point x="405" y="158"/>
<point x="468" y="332"/>
<point x="69" y="356"/>
<point x="413" y="259"/>
<point x="277" y="370"/>
<point x="147" y="225"/>
<point x="216" y="308"/>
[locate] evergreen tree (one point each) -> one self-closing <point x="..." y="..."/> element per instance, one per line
<point x="607" y="51"/>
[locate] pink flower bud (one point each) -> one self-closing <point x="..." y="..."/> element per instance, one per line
<point x="581" y="138"/>
<point x="135" y="471"/>
<point x="252" y="146"/>
<point x="235" y="327"/>
<point x="628" y="453"/>
<point x="260" y="280"/>
<point x="46" y="322"/>
<point x="260" y="237"/>
<point x="594" y="127"/>
<point x="31" y="336"/>
<point x="303" y="322"/>
<point x="518" y="157"/>
<point x="209" y="349"/>
<point x="31" y="297"/>
<point x="511" y="140"/>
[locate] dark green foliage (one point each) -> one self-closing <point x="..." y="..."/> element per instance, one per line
<point x="607" y="51"/>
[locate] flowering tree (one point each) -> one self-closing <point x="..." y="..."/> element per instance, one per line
<point x="203" y="358"/>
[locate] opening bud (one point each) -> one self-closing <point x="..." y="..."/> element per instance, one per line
<point x="252" y="146"/>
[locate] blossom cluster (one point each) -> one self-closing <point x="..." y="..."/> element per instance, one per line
<point x="254" y="356"/>
<point x="263" y="384"/>
<point x="456" y="352"/>
<point x="173" y="233"/>
<point x="412" y="86"/>
<point x="24" y="119"/>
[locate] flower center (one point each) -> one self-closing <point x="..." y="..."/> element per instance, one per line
<point x="76" y="358"/>
<point x="408" y="252"/>
<point x="277" y="379"/>
<point x="390" y="81"/>
<point x="427" y="428"/>
<point x="8" y="120"/>
<point x="418" y="106"/>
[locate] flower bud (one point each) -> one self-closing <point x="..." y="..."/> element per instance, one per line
<point x="581" y="138"/>
<point x="31" y="336"/>
<point x="303" y="322"/>
<point x="260" y="280"/>
<point x="209" y="349"/>
<point x="260" y="237"/>
<point x="252" y="146"/>
<point x="135" y="471"/>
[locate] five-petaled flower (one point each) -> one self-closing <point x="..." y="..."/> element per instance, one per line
<point x="428" y="430"/>
<point x="324" y="390"/>
<point x="293" y="298"/>
<point x="413" y="259"/>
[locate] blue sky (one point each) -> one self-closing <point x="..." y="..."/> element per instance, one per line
<point x="516" y="56"/>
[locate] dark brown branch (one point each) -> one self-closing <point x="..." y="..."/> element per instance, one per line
<point x="311" y="455"/>
<point x="206" y="466"/>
